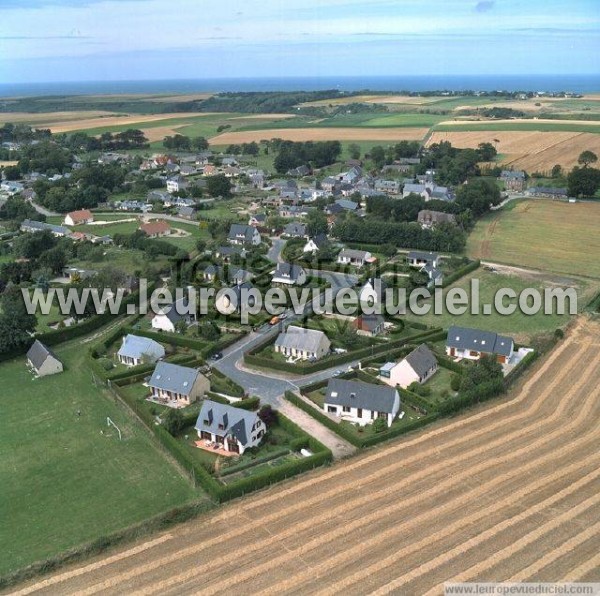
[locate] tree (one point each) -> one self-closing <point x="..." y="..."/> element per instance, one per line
<point x="268" y="415"/>
<point x="556" y="171"/>
<point x="218" y="186"/>
<point x="379" y="425"/>
<point x="16" y="324"/>
<point x="200" y="245"/>
<point x="173" y="421"/>
<point x="200" y="144"/>
<point x="354" y="151"/>
<point x="487" y="151"/>
<point x="586" y="158"/>
<point x="484" y="370"/>
<point x="478" y="196"/>
<point x="583" y="182"/>
<point x="378" y="156"/>
<point x="316" y="223"/>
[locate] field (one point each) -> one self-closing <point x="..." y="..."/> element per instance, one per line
<point x="547" y="235"/>
<point x="530" y="150"/>
<point x="520" y="326"/>
<point x="508" y="491"/>
<point x="66" y="479"/>
<point x="322" y="134"/>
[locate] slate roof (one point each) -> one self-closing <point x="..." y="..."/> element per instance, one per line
<point x="421" y="360"/>
<point x="356" y="394"/>
<point x="428" y="216"/>
<point x="289" y="271"/>
<point x="423" y="256"/>
<point x="352" y="253"/>
<point x="29" y="225"/>
<point x="464" y="338"/>
<point x="135" y="346"/>
<point x="236" y="231"/>
<point x="172" y="377"/>
<point x="236" y="422"/>
<point x="295" y="229"/>
<point x="38" y="353"/>
<point x="516" y="174"/>
<point x="307" y="340"/>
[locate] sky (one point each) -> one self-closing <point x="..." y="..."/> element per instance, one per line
<point x="79" y="40"/>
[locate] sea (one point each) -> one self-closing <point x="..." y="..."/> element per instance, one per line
<point x="549" y="83"/>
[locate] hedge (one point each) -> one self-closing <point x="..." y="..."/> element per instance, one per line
<point x="170" y="338"/>
<point x="450" y="279"/>
<point x="251" y="403"/>
<point x="203" y="477"/>
<point x="252" y="359"/>
<point x="415" y="400"/>
<point x="236" y="390"/>
<point x="349" y="435"/>
<point x="594" y="304"/>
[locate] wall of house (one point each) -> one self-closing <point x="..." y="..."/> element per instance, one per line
<point x="368" y="416"/>
<point x="162" y="322"/>
<point x="51" y="366"/>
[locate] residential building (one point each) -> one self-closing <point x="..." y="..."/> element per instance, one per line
<point x="513" y="180"/>
<point x="289" y="274"/>
<point x="294" y="230"/>
<point x="373" y="292"/>
<point x="227" y="252"/>
<point x="472" y="344"/>
<point x="231" y="301"/>
<point x="76" y="218"/>
<point x="32" y="226"/>
<point x="388" y="187"/>
<point x="42" y="361"/>
<point x="369" y="325"/>
<point x="417" y="258"/>
<point x="136" y="350"/>
<point x="257" y="220"/>
<point x="358" y="258"/>
<point x="417" y="367"/>
<point x="315" y="243"/>
<point x="156" y="229"/>
<point x="303" y="344"/>
<point x="241" y="235"/>
<point x="361" y="403"/>
<point x="171" y="315"/>
<point x="177" y="386"/>
<point x="232" y="429"/>
<point x="547" y="191"/>
<point x="176" y="184"/>
<point x="429" y="219"/>
<point x="187" y="212"/>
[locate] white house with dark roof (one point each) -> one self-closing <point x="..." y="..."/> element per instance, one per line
<point x="169" y="316"/>
<point x="289" y="274"/>
<point x="177" y="386"/>
<point x="419" y="258"/>
<point x="42" y="360"/>
<point x="417" y="367"/>
<point x="472" y="344"/>
<point x="358" y="258"/>
<point x="315" y="243"/>
<point x="136" y="350"/>
<point x="373" y="292"/>
<point x="242" y="235"/>
<point x="301" y="343"/>
<point x="294" y="229"/>
<point x="361" y="403"/>
<point x="232" y="429"/>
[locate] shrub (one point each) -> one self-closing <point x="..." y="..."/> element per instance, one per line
<point x="106" y="363"/>
<point x="455" y="383"/>
<point x="379" y="425"/>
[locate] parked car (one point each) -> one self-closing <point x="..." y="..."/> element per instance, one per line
<point x="274" y="320"/>
<point x="217" y="356"/>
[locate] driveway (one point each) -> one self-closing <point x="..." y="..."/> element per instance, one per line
<point x="274" y="253"/>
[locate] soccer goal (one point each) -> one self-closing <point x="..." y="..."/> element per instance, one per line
<point x="109" y="423"/>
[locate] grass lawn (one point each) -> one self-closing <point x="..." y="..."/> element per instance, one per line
<point x="533" y="125"/>
<point x="63" y="481"/>
<point x="121" y="258"/>
<point x="543" y="234"/>
<point x="518" y="325"/>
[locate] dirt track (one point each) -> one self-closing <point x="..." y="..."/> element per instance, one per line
<point x="510" y="491"/>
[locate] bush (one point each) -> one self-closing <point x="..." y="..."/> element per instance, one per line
<point x="106" y="363"/>
<point x="379" y="425"/>
<point x="455" y="383"/>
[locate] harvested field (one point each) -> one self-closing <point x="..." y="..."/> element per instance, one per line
<point x="530" y="150"/>
<point x="45" y="119"/>
<point x="509" y="491"/>
<point x="112" y="120"/>
<point x="321" y="134"/>
<point x="561" y="237"/>
<point x="158" y="133"/>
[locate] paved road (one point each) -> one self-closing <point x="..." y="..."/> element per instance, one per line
<point x="274" y="253"/>
<point x="43" y="210"/>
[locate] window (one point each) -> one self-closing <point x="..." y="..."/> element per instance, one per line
<point x="346" y="408"/>
<point x="381" y="415"/>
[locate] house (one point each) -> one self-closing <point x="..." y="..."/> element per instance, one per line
<point x="11" y="188"/>
<point x="136" y="350"/>
<point x="299" y="172"/>
<point x="340" y="206"/>
<point x="209" y="170"/>
<point x="305" y="344"/>
<point x="76" y="218"/>
<point x="226" y="252"/>
<point x="388" y="187"/>
<point x="42" y="361"/>
<point x="240" y="235"/>
<point x="232" y="429"/>
<point x="177" y="386"/>
<point x="415" y="189"/>
<point x="32" y="226"/>
<point x="294" y="230"/>
<point x="361" y="403"/>
<point x="315" y="243"/>
<point x="292" y="211"/>
<point x="156" y="229"/>
<point x="257" y="220"/>
<point x="546" y="191"/>
<point x="237" y="275"/>
<point x="78" y="274"/>
<point x="351" y="176"/>
<point x="472" y="344"/>
<point x="186" y="212"/>
<point x="171" y="315"/>
<point x="369" y="325"/>
<point x="373" y="291"/>
<point x="231" y="301"/>
<point x="513" y="180"/>
<point x="429" y="219"/>
<point x="358" y="258"/>
<point x="229" y="161"/>
<point x="417" y="258"/>
<point x="434" y="273"/>
<point x="212" y="273"/>
<point x="417" y="367"/>
<point x="176" y="184"/>
<point x="289" y="274"/>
